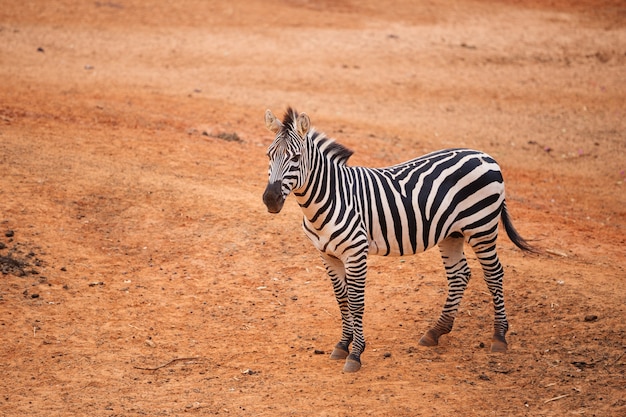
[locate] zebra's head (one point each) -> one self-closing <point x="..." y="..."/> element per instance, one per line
<point x="285" y="154"/>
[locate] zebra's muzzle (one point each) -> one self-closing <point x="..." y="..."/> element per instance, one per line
<point x="273" y="197"/>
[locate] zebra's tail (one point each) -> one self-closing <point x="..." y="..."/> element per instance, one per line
<point x="515" y="237"/>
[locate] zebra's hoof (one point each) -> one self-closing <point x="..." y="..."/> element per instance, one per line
<point x="498" y="346"/>
<point x="339" y="354"/>
<point x="353" y="364"/>
<point x="429" y="339"/>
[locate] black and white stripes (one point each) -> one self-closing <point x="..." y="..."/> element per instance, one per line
<point x="444" y="198"/>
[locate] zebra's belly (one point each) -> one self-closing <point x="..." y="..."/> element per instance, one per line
<point x="391" y="247"/>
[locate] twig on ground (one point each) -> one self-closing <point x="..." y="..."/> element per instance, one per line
<point x="556" y="398"/>
<point x="557" y="252"/>
<point x="618" y="358"/>
<point x="165" y="364"/>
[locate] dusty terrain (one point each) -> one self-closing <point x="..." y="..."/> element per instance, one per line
<point x="142" y="275"/>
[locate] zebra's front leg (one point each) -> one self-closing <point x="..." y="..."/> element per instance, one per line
<point x="458" y="275"/>
<point x="337" y="274"/>
<point x="356" y="270"/>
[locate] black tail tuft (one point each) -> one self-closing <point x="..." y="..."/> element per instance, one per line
<point x="512" y="233"/>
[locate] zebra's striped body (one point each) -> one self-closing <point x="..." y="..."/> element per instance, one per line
<point x="444" y="198"/>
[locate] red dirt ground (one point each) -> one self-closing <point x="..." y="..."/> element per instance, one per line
<point x="142" y="275"/>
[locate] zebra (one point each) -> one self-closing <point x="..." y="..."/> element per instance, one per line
<point x="444" y="198"/>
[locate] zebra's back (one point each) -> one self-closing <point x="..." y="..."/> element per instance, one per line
<point x="411" y="207"/>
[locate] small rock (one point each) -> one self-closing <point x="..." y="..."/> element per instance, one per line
<point x="318" y="352"/>
<point x="150" y="343"/>
<point x="9" y="233"/>
<point x="591" y="317"/>
<point x="387" y="355"/>
<point x="34" y="296"/>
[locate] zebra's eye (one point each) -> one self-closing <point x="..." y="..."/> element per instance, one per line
<point x="295" y="158"/>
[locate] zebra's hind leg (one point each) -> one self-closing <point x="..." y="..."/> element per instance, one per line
<point x="458" y="275"/>
<point x="337" y="274"/>
<point x="494" y="274"/>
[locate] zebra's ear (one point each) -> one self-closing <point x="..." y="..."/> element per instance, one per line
<point x="271" y="122"/>
<point x="304" y="124"/>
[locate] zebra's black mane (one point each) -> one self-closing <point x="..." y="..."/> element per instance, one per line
<point x="290" y="117"/>
<point x="334" y="150"/>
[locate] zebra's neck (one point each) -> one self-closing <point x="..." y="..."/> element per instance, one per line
<point x="327" y="177"/>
